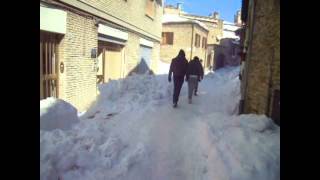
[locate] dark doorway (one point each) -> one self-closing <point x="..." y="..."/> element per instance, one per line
<point x="220" y="61"/>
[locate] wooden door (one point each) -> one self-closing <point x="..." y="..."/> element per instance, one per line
<point x="48" y="65"/>
<point x="113" y="59"/>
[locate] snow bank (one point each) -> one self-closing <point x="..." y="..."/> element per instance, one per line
<point x="132" y="93"/>
<point x="223" y="91"/>
<point x="87" y="152"/>
<point x="57" y="114"/>
<point x="145" y="138"/>
<point x="247" y="145"/>
<point x="163" y="68"/>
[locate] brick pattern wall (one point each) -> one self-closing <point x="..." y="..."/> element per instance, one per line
<point x="263" y="62"/>
<point x="132" y="12"/>
<point x="132" y="54"/>
<point x="78" y="82"/>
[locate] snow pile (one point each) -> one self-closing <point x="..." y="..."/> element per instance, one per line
<point x="133" y="93"/>
<point x="229" y="30"/>
<point x="224" y="87"/>
<point x="86" y="152"/>
<point x="244" y="147"/>
<point x="134" y="133"/>
<point x="57" y="114"/>
<point x="163" y="68"/>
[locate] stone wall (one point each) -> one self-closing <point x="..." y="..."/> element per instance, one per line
<point x="182" y="39"/>
<point x="263" y="58"/>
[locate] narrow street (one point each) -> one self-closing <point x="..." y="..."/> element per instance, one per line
<point x="144" y="138"/>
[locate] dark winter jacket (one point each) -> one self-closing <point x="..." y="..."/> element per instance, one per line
<point x="201" y="68"/>
<point x="178" y="65"/>
<point x="194" y="69"/>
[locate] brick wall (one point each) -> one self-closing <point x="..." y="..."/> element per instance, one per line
<point x="132" y="54"/>
<point x="78" y="82"/>
<point x="132" y="12"/>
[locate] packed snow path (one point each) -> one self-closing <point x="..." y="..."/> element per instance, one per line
<point x="133" y="133"/>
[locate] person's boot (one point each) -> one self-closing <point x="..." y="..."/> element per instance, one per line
<point x="190" y="101"/>
<point x="195" y="93"/>
<point x="175" y="105"/>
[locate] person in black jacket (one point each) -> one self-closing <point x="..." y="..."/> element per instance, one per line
<point x="178" y="67"/>
<point x="201" y="75"/>
<point x="193" y="76"/>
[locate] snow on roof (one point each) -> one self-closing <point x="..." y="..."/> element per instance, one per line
<point x="201" y="18"/>
<point x="228" y="26"/>
<point x="228" y="23"/>
<point x="169" y="18"/>
<point x="230" y="34"/>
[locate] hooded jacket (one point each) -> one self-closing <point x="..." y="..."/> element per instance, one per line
<point x="178" y="65"/>
<point x="194" y="68"/>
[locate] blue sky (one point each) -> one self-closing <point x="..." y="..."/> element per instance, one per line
<point x="226" y="8"/>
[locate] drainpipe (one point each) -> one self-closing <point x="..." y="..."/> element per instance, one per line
<point x="249" y="51"/>
<point x="191" y="41"/>
<point x="205" y="57"/>
<point x="269" y="100"/>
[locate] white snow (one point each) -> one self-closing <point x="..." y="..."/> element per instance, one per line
<point x="163" y="68"/>
<point x="229" y="30"/>
<point x="166" y="18"/>
<point x="57" y="114"/>
<point x="132" y="132"/>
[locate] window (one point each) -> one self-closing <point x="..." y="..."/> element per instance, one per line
<point x="204" y="42"/>
<point x="150" y="8"/>
<point x="167" y="38"/>
<point x="197" y="41"/>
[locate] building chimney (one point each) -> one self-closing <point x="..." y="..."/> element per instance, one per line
<point x="179" y="6"/>
<point x="215" y="15"/>
<point x="237" y="18"/>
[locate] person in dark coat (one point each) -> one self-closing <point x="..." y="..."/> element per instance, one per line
<point x="201" y="75"/>
<point x="193" y="76"/>
<point x="178" y="67"/>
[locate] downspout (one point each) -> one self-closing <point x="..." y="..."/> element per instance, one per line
<point x="205" y="55"/>
<point x="270" y="87"/>
<point x="191" y="42"/>
<point x="247" y="61"/>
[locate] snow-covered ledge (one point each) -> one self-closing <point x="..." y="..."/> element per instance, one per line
<point x="53" y="20"/>
<point x="146" y="42"/>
